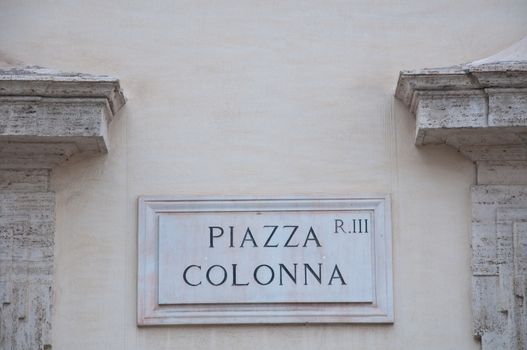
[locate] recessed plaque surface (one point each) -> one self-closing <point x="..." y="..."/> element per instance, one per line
<point x="264" y="260"/>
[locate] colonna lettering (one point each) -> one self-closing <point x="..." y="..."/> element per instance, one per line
<point x="268" y="273"/>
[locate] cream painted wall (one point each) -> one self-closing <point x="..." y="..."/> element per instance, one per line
<point x="269" y="98"/>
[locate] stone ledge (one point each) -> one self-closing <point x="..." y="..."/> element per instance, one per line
<point x="43" y="82"/>
<point x="47" y="116"/>
<point x="479" y="108"/>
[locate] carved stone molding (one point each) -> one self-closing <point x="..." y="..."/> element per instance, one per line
<point x="46" y="117"/>
<point x="480" y="109"/>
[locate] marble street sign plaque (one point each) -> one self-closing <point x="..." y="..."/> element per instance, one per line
<point x="264" y="260"/>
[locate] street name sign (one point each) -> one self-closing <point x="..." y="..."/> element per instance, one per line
<point x="264" y="260"/>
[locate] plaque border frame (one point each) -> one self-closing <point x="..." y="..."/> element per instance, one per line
<point x="150" y="313"/>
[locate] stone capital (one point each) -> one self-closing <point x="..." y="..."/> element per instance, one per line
<point x="47" y="116"/>
<point x="479" y="108"/>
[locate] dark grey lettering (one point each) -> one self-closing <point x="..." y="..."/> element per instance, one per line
<point x="185" y="275"/>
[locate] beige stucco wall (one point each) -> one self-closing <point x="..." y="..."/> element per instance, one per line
<point x="268" y="98"/>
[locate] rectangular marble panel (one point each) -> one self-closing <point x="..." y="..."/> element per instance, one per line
<point x="264" y="260"/>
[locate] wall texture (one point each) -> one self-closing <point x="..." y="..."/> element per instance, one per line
<point x="240" y="98"/>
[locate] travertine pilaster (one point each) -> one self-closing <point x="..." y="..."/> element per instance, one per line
<point x="480" y="109"/>
<point x="46" y="117"/>
<point x="26" y="260"/>
<point x="498" y="265"/>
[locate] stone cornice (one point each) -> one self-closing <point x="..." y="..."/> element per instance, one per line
<point x="479" y="108"/>
<point x="46" y="116"/>
<point x="43" y="82"/>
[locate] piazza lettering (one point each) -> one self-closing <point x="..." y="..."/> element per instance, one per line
<point x="264" y="237"/>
